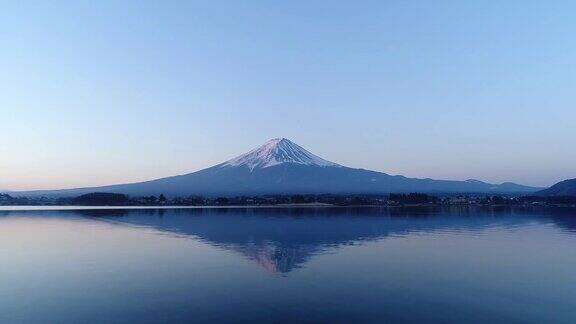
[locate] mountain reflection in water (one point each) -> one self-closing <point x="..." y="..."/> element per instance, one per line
<point x="284" y="239"/>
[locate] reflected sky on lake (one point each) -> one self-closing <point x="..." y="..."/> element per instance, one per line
<point x="288" y="265"/>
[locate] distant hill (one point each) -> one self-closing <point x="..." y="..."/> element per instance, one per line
<point x="563" y="188"/>
<point x="283" y="167"/>
<point x="101" y="199"/>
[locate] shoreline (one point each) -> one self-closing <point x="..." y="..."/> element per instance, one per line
<point x="280" y="206"/>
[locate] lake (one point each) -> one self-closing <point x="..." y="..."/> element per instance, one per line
<point x="287" y="265"/>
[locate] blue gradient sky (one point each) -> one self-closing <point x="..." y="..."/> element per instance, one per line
<point x="101" y="92"/>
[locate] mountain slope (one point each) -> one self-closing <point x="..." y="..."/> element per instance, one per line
<point x="563" y="188"/>
<point x="282" y="167"/>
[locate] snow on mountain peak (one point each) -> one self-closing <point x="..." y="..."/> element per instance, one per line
<point x="277" y="151"/>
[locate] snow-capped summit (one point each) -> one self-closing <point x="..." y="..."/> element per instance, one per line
<point x="277" y="151"/>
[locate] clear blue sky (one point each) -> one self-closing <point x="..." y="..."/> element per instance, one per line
<point x="100" y="92"/>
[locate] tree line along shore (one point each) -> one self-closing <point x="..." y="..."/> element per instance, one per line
<point x="393" y="199"/>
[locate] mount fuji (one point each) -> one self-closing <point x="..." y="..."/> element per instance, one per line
<point x="283" y="167"/>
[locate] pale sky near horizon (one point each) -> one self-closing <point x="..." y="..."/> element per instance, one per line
<point x="104" y="92"/>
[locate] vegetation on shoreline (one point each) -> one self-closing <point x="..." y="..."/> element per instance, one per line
<point x="394" y="199"/>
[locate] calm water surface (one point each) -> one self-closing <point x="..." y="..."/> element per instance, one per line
<point x="288" y="265"/>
